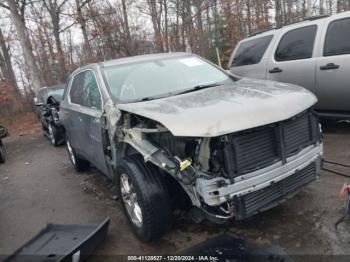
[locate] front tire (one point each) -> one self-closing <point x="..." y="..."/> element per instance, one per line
<point x="79" y="163"/>
<point x="144" y="197"/>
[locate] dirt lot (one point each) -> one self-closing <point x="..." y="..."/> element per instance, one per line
<point x="38" y="185"/>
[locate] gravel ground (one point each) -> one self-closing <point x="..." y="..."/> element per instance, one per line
<point x="38" y="185"/>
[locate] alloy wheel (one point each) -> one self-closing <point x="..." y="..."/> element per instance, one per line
<point x="71" y="153"/>
<point x="130" y="200"/>
<point x="52" y="137"/>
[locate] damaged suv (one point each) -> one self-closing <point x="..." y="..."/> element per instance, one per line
<point x="170" y="124"/>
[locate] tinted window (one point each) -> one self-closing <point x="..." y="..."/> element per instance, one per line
<point x="296" y="44"/>
<point x="91" y="94"/>
<point x="251" y="52"/>
<point x="338" y="38"/>
<point x="76" y="91"/>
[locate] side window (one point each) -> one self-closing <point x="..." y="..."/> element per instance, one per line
<point x="296" y="44"/>
<point x="337" y="38"/>
<point x="251" y="52"/>
<point x="76" y="90"/>
<point x="91" y="94"/>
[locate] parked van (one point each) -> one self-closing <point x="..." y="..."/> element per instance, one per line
<point x="314" y="54"/>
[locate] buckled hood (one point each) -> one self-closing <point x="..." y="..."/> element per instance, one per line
<point x="225" y="109"/>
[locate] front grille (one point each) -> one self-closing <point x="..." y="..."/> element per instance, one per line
<point x="260" y="200"/>
<point x="297" y="134"/>
<point x="257" y="148"/>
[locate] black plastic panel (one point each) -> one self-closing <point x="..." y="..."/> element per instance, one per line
<point x="252" y="203"/>
<point x="257" y="148"/>
<point x="62" y="243"/>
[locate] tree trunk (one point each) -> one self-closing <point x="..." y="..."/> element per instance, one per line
<point x="249" y="22"/>
<point x="61" y="59"/>
<point x="54" y="11"/>
<point x="127" y="28"/>
<point x="82" y="23"/>
<point x="156" y="18"/>
<point x="202" y="43"/>
<point x="166" y="33"/>
<point x="321" y="8"/>
<point x="25" y="45"/>
<point x="8" y="70"/>
<point x="190" y="27"/>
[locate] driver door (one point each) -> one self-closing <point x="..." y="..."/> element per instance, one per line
<point x="91" y="118"/>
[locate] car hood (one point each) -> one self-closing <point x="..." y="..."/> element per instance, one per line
<point x="225" y="109"/>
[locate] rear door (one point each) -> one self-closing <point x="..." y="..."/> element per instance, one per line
<point x="333" y="67"/>
<point x="249" y="58"/>
<point x="91" y="116"/>
<point x="293" y="61"/>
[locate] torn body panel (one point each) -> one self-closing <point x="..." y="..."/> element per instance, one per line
<point x="218" y="172"/>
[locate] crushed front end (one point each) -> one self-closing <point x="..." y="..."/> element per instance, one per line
<point x="261" y="167"/>
<point x="238" y="174"/>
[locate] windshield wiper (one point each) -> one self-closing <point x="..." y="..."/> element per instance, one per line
<point x="199" y="87"/>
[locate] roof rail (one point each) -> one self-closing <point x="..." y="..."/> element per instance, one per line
<point x="311" y="18"/>
<point x="262" y="31"/>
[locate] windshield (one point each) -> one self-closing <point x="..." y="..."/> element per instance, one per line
<point x="161" y="77"/>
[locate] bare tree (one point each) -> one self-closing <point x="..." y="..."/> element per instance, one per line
<point x="126" y="27"/>
<point x="155" y="12"/>
<point x="54" y="7"/>
<point x="6" y="63"/>
<point x="79" y="5"/>
<point x="17" y="8"/>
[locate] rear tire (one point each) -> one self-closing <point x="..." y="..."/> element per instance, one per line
<point x="79" y="163"/>
<point x="53" y="134"/>
<point x="2" y="154"/>
<point x="148" y="190"/>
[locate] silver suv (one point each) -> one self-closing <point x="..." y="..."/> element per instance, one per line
<point x="168" y="127"/>
<point x="314" y="54"/>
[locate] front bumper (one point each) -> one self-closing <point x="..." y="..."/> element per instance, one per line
<point x="217" y="191"/>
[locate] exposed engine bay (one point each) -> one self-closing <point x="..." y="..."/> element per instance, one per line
<point x="219" y="173"/>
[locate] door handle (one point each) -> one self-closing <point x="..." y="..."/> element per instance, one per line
<point x="275" y="70"/>
<point x="329" y="66"/>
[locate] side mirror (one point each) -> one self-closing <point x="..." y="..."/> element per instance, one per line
<point x="37" y="102"/>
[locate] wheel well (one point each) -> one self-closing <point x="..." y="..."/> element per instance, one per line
<point x="130" y="150"/>
<point x="179" y="197"/>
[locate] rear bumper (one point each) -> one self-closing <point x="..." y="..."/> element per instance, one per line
<point x="217" y="191"/>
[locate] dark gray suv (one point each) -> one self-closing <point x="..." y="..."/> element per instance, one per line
<point x="166" y="127"/>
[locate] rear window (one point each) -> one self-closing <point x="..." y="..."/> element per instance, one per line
<point x="338" y="38"/>
<point x="296" y="44"/>
<point x="251" y="52"/>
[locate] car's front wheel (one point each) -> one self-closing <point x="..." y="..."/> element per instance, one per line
<point x="79" y="163"/>
<point x="144" y="197"/>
